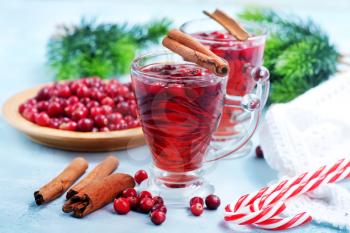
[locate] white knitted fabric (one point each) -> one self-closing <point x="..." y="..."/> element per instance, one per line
<point x="308" y="132"/>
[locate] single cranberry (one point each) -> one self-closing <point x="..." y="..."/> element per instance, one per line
<point x="92" y="103"/>
<point x="85" y="101"/>
<point x="146" y="204"/>
<point x="83" y="91"/>
<point x="54" y="109"/>
<point x="134" y="202"/>
<point x="31" y="102"/>
<point x="29" y="113"/>
<point x="42" y="106"/>
<point x="107" y="101"/>
<point x="121" y="205"/>
<point x="85" y="124"/>
<point x="122" y="125"/>
<point x="42" y="119"/>
<point x="112" y="127"/>
<point x="114" y="118"/>
<point x="140" y="176"/>
<point x="195" y="200"/>
<point x="54" y="123"/>
<point x="158" y="200"/>
<point x="63" y="91"/>
<point x="158" y="217"/>
<point x="123" y="91"/>
<point x="22" y="107"/>
<point x="144" y="194"/>
<point x="95" y="129"/>
<point x="104" y="129"/>
<point x="159" y="207"/>
<point x="101" y="120"/>
<point x="123" y="107"/>
<point x="94" y="111"/>
<point x="129" y="192"/>
<point x="43" y="94"/>
<point x="106" y="109"/>
<point x="72" y="100"/>
<point x="119" y="99"/>
<point x="135" y="123"/>
<point x="70" y="126"/>
<point x="212" y="202"/>
<point x="258" y="152"/>
<point x="79" y="114"/>
<point x="74" y="86"/>
<point x="196" y="209"/>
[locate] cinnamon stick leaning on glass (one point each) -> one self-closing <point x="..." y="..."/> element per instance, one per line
<point x="105" y="168"/>
<point x="62" y="182"/>
<point x="193" y="51"/>
<point x="97" y="194"/>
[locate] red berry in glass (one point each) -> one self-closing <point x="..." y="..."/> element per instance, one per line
<point x="195" y="200"/>
<point x="158" y="217"/>
<point x="178" y="126"/>
<point x="140" y="176"/>
<point x="146" y="204"/>
<point x="212" y="202"/>
<point x="196" y="209"/>
<point x="241" y="56"/>
<point x="121" y="205"/>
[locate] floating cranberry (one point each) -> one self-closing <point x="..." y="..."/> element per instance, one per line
<point x="195" y="200"/>
<point x="212" y="202"/>
<point x="146" y="204"/>
<point x="144" y="194"/>
<point x="140" y="176"/>
<point x="258" y="152"/>
<point x="158" y="217"/>
<point x="121" y="205"/>
<point x="85" y="124"/>
<point x="129" y="192"/>
<point x="196" y="209"/>
<point x="42" y="119"/>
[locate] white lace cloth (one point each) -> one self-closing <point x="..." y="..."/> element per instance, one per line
<point x="308" y="132"/>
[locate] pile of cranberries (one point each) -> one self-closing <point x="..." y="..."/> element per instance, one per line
<point x="86" y="105"/>
<point x="197" y="204"/>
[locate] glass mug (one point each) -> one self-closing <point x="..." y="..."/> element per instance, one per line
<point x="179" y="115"/>
<point x="240" y="55"/>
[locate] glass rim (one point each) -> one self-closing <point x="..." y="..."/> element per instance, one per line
<point x="135" y="67"/>
<point x="261" y="35"/>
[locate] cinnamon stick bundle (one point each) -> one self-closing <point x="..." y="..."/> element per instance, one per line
<point x="105" y="168"/>
<point x="97" y="194"/>
<point x="62" y="182"/>
<point x="193" y="51"/>
<point x="231" y="25"/>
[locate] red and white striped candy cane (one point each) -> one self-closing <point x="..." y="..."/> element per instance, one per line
<point x="260" y="208"/>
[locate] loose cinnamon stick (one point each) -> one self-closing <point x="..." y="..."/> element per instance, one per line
<point x="105" y="168"/>
<point x="231" y="25"/>
<point x="97" y="194"/>
<point x="193" y="51"/>
<point x="62" y="182"/>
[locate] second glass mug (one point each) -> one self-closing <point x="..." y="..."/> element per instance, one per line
<point x="179" y="116"/>
<point x="239" y="55"/>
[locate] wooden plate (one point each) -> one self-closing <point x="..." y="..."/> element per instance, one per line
<point x="68" y="140"/>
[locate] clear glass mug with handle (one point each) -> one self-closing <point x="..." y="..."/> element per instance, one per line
<point x="240" y="55"/>
<point x="179" y="106"/>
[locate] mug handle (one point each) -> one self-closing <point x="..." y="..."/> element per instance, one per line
<point x="252" y="103"/>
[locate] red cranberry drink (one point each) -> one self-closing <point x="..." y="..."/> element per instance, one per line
<point x="241" y="56"/>
<point x="179" y="106"/>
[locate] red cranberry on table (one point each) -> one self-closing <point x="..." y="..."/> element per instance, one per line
<point x="212" y="202"/>
<point x="144" y="194"/>
<point x="195" y="200"/>
<point x="134" y="202"/>
<point x="129" y="192"/>
<point x="258" y="152"/>
<point x="196" y="209"/>
<point x="140" y="176"/>
<point x="159" y="207"/>
<point x="158" y="217"/>
<point x="146" y="204"/>
<point x="121" y="205"/>
<point x="158" y="200"/>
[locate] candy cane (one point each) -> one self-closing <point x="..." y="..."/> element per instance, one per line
<point x="261" y="207"/>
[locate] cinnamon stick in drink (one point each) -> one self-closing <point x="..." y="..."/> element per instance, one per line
<point x="231" y="25"/>
<point x="97" y="194"/>
<point x="62" y="182"/>
<point x="105" y="168"/>
<point x="193" y="51"/>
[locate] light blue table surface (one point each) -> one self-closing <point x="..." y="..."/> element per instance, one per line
<point x="25" y="27"/>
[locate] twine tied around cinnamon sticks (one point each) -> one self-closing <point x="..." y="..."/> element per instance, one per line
<point x="193" y="51"/>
